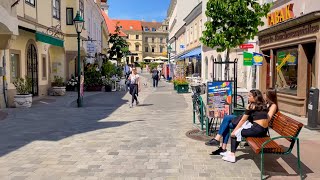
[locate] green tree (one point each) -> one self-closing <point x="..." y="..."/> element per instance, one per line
<point x="232" y="23"/>
<point x="120" y="47"/>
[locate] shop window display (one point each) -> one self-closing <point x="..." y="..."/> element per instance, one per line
<point x="287" y="71"/>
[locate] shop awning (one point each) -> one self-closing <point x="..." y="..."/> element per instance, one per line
<point x="193" y="53"/>
<point x="49" y="39"/>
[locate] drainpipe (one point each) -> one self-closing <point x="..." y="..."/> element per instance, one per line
<point x="4" y="79"/>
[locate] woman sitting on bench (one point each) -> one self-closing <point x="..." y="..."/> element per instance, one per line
<point x="227" y="123"/>
<point x="256" y="126"/>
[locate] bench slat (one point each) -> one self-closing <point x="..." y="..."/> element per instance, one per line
<point x="256" y="143"/>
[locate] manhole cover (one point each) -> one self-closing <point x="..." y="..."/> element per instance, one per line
<point x="198" y="135"/>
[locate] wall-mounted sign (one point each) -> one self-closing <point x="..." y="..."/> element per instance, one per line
<point x="280" y="15"/>
<point x="246" y="46"/>
<point x="91" y="47"/>
<point x="257" y="59"/>
<point x="284" y="35"/>
<point x="247" y="59"/>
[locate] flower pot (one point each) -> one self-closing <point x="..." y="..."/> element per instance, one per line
<point x="58" y="91"/>
<point x="23" y="100"/>
<point x="184" y="88"/>
<point x="107" y="88"/>
<point x="70" y="88"/>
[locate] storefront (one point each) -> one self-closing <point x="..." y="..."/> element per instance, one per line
<point x="291" y="65"/>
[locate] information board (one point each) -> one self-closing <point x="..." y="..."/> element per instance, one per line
<point x="219" y="98"/>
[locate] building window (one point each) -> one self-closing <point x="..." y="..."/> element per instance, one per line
<point x="56" y="9"/>
<point x="161" y="39"/>
<point x="287" y="71"/>
<point x="14" y="66"/>
<point x="152" y="39"/>
<point x="146" y="29"/>
<point x="131" y="27"/>
<point x="154" y="29"/>
<point x="146" y="49"/>
<point x="44" y="68"/>
<point x="137" y="36"/>
<point x="81" y="7"/>
<point x="161" y="49"/>
<point x="152" y="49"/>
<point x="146" y="39"/>
<point x="31" y="2"/>
<point x="69" y="16"/>
<point x="195" y="31"/>
<point x="137" y="47"/>
<point x="137" y="59"/>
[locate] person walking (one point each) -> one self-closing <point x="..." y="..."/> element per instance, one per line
<point x="155" y="77"/>
<point x="135" y="87"/>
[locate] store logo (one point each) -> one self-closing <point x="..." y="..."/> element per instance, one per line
<point x="280" y="15"/>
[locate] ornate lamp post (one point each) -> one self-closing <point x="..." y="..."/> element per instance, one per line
<point x="169" y="52"/>
<point x="79" y="23"/>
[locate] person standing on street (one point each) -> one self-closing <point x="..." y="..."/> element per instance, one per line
<point x="135" y="87"/>
<point x="155" y="77"/>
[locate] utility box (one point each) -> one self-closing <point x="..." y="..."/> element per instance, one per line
<point x="313" y="109"/>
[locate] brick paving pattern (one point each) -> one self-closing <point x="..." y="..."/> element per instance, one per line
<point x="108" y="140"/>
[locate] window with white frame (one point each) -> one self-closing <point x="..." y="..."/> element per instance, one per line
<point x="56" y="9"/>
<point x="81" y="7"/>
<point x="69" y="14"/>
<point x="31" y="2"/>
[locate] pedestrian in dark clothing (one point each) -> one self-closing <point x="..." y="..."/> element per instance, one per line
<point x="155" y="77"/>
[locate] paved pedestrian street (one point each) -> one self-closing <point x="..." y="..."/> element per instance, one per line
<point x="108" y="140"/>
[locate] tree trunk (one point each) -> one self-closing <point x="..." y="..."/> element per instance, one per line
<point x="226" y="71"/>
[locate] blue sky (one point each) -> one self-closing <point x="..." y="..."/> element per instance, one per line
<point x="139" y="9"/>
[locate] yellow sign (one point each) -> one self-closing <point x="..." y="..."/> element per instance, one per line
<point x="280" y="15"/>
<point x="284" y="60"/>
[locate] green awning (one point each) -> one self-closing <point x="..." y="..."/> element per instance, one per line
<point x="49" y="39"/>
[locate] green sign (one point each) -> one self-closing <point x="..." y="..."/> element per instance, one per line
<point x="247" y="59"/>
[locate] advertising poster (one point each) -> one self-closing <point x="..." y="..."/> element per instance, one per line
<point x="219" y="98"/>
<point x="257" y="59"/>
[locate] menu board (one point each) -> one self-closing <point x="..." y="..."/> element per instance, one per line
<point x="219" y="98"/>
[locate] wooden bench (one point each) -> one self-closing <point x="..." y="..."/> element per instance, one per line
<point x="288" y="129"/>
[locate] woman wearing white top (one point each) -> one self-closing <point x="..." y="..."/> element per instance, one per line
<point x="134" y="86"/>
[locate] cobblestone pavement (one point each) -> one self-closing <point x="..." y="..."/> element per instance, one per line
<point x="108" y="140"/>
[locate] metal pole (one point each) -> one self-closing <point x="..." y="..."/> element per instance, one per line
<point x="79" y="73"/>
<point x="169" y="67"/>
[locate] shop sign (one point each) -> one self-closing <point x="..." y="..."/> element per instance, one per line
<point x="246" y="46"/>
<point x="257" y="59"/>
<point x="280" y="15"/>
<point x="247" y="59"/>
<point x="283" y="62"/>
<point x="302" y="31"/>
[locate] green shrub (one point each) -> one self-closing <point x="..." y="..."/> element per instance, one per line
<point x="23" y="86"/>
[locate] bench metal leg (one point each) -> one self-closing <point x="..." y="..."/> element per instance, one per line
<point x="298" y="155"/>
<point x="194" y="114"/>
<point x="262" y="163"/>
<point x="207" y="126"/>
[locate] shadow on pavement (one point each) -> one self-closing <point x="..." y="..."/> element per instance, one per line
<point x="144" y="105"/>
<point x="54" y="122"/>
<point x="273" y="165"/>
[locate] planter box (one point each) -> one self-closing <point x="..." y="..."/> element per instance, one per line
<point x="107" y="88"/>
<point x="175" y="87"/>
<point x="183" y="88"/>
<point x="23" y="101"/>
<point x="58" y="91"/>
<point x="93" y="88"/>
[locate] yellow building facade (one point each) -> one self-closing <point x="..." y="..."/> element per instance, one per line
<point x="45" y="42"/>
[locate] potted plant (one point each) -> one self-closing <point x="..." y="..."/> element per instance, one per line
<point x="58" y="86"/>
<point x="93" y="79"/>
<point x="182" y="85"/>
<point x="108" y="70"/>
<point x="72" y="84"/>
<point x="23" y="98"/>
<point x="107" y="84"/>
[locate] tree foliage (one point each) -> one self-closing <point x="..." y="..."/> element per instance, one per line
<point x="232" y="22"/>
<point x="120" y="47"/>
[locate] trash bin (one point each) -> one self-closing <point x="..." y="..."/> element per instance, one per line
<point x="313" y="109"/>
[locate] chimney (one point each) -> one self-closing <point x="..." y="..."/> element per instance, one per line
<point x="105" y="6"/>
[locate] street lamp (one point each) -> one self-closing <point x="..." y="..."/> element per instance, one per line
<point x="169" y="52"/>
<point x="79" y="23"/>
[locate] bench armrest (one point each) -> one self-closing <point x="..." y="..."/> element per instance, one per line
<point x="281" y="137"/>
